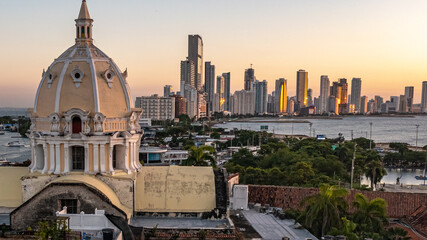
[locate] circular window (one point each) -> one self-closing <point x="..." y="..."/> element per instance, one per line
<point x="109" y="75"/>
<point x="77" y="75"/>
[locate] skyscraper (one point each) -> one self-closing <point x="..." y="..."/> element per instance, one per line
<point x="227" y="79"/>
<point x="339" y="92"/>
<point x="260" y="89"/>
<point x="220" y="92"/>
<point x="324" y="94"/>
<point x="424" y="97"/>
<point x="309" y="97"/>
<point x="409" y="93"/>
<point x="364" y="104"/>
<point x="281" y="96"/>
<point x="249" y="78"/>
<point x="356" y="86"/>
<point x="302" y="85"/>
<point x="187" y="75"/>
<point x="209" y="85"/>
<point x="167" y="90"/>
<point x="195" y="54"/>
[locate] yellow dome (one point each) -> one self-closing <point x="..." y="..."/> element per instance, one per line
<point x="85" y="78"/>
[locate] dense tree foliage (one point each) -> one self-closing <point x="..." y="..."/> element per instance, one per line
<point x="305" y="162"/>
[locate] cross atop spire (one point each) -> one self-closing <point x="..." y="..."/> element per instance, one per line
<point x="84" y="25"/>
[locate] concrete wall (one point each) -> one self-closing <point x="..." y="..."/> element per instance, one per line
<point x="46" y="203"/>
<point x="399" y="204"/>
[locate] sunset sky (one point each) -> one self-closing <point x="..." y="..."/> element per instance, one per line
<point x="384" y="42"/>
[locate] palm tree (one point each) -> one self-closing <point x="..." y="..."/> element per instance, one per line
<point x="369" y="215"/>
<point x="200" y="156"/>
<point x="397" y="234"/>
<point x="375" y="172"/>
<point x="324" y="210"/>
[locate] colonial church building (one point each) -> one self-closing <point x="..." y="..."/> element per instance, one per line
<point x="85" y="140"/>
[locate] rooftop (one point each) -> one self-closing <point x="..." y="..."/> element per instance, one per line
<point x="270" y="227"/>
<point x="178" y="223"/>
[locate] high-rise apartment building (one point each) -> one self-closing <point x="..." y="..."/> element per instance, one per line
<point x="409" y="94"/>
<point x="260" y="89"/>
<point x="156" y="107"/>
<point x="195" y="54"/>
<point x="281" y="96"/>
<point x="242" y="102"/>
<point x="424" y="97"/>
<point x="324" y="94"/>
<point x="310" y="97"/>
<point x="227" y="91"/>
<point x="187" y="75"/>
<point x="302" y="86"/>
<point x="378" y="101"/>
<point x="167" y="90"/>
<point x="363" y="104"/>
<point x="403" y="104"/>
<point x="339" y="92"/>
<point x="220" y="92"/>
<point x="209" y="86"/>
<point x="249" y="78"/>
<point x="180" y="105"/>
<point x="190" y="94"/>
<point x="356" y="89"/>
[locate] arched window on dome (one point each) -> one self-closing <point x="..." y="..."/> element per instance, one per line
<point x="77" y="124"/>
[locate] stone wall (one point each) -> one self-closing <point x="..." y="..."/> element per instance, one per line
<point x="44" y="204"/>
<point x="399" y="204"/>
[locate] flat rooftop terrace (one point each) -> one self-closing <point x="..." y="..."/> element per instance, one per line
<point x="270" y="227"/>
<point x="179" y="223"/>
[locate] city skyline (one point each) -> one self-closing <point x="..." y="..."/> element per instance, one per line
<point x="379" y="48"/>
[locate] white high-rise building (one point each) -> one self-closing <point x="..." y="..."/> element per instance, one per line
<point x="324" y="94"/>
<point x="242" y="102"/>
<point x="356" y="88"/>
<point x="424" y="97"/>
<point x="409" y="94"/>
<point x="260" y="89"/>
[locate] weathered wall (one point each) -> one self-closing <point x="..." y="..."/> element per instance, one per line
<point x="175" y="189"/>
<point x="44" y="204"/>
<point x="399" y="204"/>
<point x="123" y="187"/>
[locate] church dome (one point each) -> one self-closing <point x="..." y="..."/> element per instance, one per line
<point x="83" y="77"/>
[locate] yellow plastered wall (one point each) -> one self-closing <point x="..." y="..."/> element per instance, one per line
<point x="81" y="97"/>
<point x="113" y="100"/>
<point x="91" y="158"/>
<point x="48" y="155"/>
<point x="47" y="96"/>
<point x="107" y="155"/>
<point x="10" y="187"/>
<point x="175" y="189"/>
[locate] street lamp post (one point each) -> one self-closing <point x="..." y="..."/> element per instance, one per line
<point x="370" y="136"/>
<point x="352" y="166"/>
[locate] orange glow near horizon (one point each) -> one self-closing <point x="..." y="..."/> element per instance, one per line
<point x="341" y="39"/>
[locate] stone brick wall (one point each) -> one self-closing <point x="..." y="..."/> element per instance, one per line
<point x="399" y="204"/>
<point x="43" y="205"/>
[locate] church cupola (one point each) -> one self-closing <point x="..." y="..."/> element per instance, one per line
<point x="84" y="25"/>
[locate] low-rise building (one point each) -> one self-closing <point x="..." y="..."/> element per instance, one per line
<point x="161" y="156"/>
